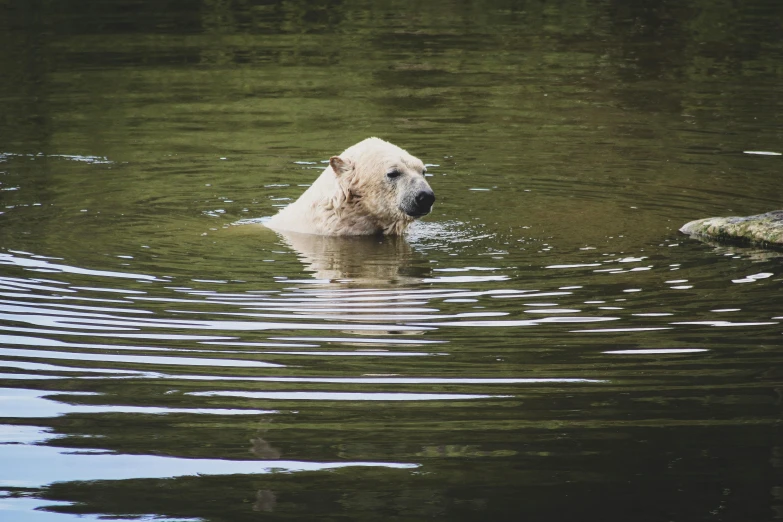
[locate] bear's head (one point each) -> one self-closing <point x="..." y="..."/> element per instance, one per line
<point x="381" y="182"/>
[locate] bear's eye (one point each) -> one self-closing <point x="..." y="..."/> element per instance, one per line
<point x="393" y="174"/>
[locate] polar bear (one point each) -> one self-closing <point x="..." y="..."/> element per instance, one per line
<point x="374" y="187"/>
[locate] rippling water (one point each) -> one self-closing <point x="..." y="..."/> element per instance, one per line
<point x="544" y="346"/>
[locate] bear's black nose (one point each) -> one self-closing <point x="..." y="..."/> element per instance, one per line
<point x="424" y="200"/>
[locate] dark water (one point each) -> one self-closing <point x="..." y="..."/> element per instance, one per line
<point x="544" y="346"/>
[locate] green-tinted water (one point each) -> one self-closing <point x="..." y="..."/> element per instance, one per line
<point x="543" y="346"/>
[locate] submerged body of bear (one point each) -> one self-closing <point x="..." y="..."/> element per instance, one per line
<point x="374" y="187"/>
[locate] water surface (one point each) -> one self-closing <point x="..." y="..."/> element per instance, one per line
<point x="544" y="346"/>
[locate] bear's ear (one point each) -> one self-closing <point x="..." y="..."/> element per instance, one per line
<point x="340" y="166"/>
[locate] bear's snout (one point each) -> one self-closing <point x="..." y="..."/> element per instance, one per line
<point x="421" y="203"/>
<point x="425" y="199"/>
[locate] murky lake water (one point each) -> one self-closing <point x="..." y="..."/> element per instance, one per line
<point x="544" y="346"/>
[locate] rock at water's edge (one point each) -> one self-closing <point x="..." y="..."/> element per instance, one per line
<point x="762" y="228"/>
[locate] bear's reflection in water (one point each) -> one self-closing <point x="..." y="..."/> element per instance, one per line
<point x="359" y="260"/>
<point x="363" y="263"/>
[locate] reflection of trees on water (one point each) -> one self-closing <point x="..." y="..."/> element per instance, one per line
<point x="585" y="46"/>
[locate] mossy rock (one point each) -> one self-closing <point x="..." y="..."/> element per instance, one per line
<point x="765" y="229"/>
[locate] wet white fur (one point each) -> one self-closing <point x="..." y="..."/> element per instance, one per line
<point x="353" y="195"/>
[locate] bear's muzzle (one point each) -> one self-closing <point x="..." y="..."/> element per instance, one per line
<point x="420" y="204"/>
